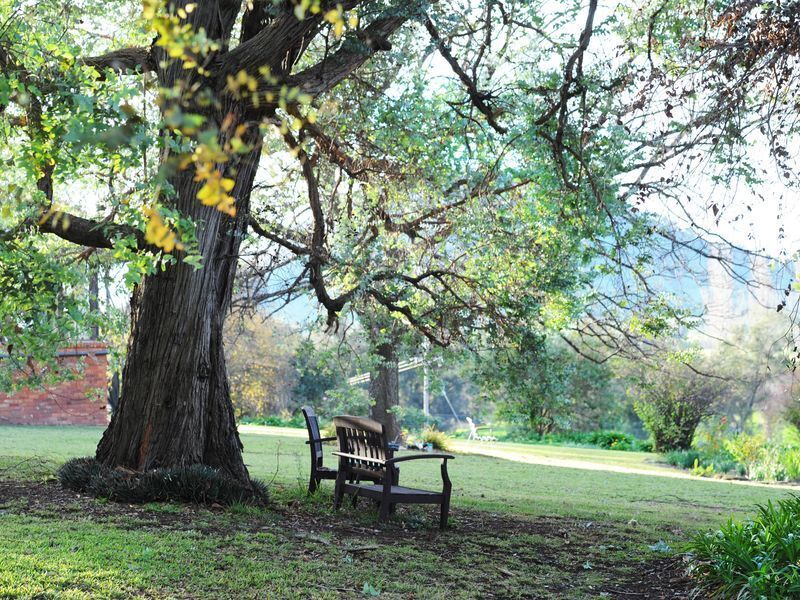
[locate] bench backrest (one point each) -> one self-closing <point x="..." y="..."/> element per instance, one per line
<point x="312" y="424"/>
<point x="361" y="437"/>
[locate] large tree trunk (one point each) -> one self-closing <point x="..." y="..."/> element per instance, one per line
<point x="175" y="407"/>
<point x="384" y="389"/>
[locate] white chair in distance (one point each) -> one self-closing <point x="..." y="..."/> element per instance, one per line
<point x="475" y="435"/>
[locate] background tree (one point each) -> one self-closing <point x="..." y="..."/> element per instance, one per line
<point x="672" y="401"/>
<point x="260" y="364"/>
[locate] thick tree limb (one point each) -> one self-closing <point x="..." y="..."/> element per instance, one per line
<point x="87" y="232"/>
<point x="328" y="73"/>
<point x="124" y="60"/>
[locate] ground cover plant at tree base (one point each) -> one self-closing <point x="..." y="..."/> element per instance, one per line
<point x="560" y="532"/>
<point x="196" y="484"/>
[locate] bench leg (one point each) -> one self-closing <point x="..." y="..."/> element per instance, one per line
<point x="385" y="508"/>
<point x="444" y="511"/>
<point x="338" y="492"/>
<point x="313" y="484"/>
<point x="386" y="496"/>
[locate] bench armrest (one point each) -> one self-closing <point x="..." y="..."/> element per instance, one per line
<point x="327" y="439"/>
<point x="392" y="461"/>
<point x="377" y="461"/>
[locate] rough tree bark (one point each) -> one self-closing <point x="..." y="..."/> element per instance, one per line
<point x="175" y="407"/>
<point x="384" y="383"/>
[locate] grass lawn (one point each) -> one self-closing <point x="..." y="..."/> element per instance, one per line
<point x="530" y="522"/>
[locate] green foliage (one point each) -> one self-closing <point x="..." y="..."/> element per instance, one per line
<point x="790" y="462"/>
<point x="317" y="372"/>
<point x="792" y="414"/>
<point x="259" y="356"/>
<point x="412" y="418"/>
<point x="346" y="400"/>
<point x="748" y="450"/>
<point x="438" y="439"/>
<point x="685" y="459"/>
<point x="751" y="456"/>
<point x="296" y="420"/>
<point x="612" y="440"/>
<point x="197" y="484"/>
<point x="607" y="440"/>
<point x="40" y="309"/>
<point x="754" y="559"/>
<point x="527" y="383"/>
<point x="672" y="401"/>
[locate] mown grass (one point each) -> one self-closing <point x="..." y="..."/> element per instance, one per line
<point x="519" y="529"/>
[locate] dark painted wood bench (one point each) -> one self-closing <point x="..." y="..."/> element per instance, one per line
<point x="364" y="455"/>
<point x="315" y="440"/>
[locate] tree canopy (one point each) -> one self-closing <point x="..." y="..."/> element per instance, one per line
<point x="473" y="170"/>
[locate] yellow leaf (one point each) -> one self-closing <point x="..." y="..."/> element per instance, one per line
<point x="158" y="234"/>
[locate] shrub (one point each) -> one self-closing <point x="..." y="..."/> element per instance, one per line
<point x="612" y="440"/>
<point x="702" y="463"/>
<point x="196" y="484"/>
<point x="685" y="459"/>
<point x="438" y="439"/>
<point x="672" y="402"/>
<point x="769" y="466"/>
<point x="790" y="460"/>
<point x="328" y="430"/>
<point x="413" y="418"/>
<point x="746" y="450"/>
<point x="296" y="421"/>
<point x="754" y="559"/>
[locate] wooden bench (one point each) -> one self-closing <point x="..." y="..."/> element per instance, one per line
<point x="364" y="455"/>
<point x="318" y="471"/>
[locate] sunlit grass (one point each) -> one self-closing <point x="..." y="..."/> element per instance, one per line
<point x="248" y="552"/>
<point x="279" y="456"/>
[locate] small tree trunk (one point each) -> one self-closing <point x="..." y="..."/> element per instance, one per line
<point x="175" y="407"/>
<point x="384" y="390"/>
<point x="94" y="300"/>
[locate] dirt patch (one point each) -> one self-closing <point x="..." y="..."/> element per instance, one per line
<point x="507" y="556"/>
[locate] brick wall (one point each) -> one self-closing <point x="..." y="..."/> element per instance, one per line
<point x="81" y="401"/>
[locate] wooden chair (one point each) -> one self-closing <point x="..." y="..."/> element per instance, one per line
<point x="318" y="471"/>
<point x="364" y="454"/>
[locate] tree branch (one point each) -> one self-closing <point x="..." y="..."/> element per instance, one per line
<point x="86" y="232"/>
<point x="477" y="97"/>
<point x="124" y="60"/>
